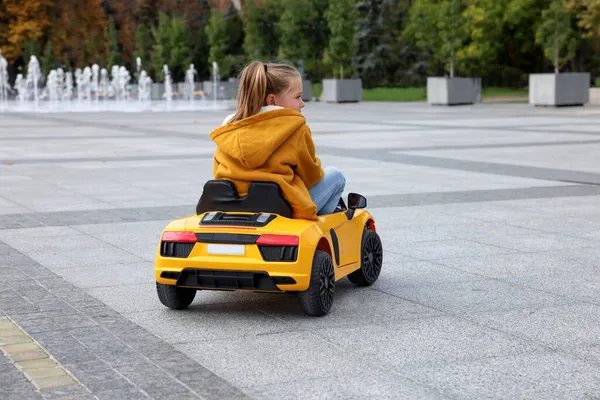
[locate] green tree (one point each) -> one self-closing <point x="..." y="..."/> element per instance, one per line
<point x="341" y="19"/>
<point x="30" y="48"/>
<point x="171" y="38"/>
<point x="218" y="42"/>
<point x="296" y="20"/>
<point x="179" y="54"/>
<point x="556" y="34"/>
<point x="588" y="13"/>
<point x="198" y="43"/>
<point x="48" y="61"/>
<point x="161" y="48"/>
<point x="438" y="26"/>
<point x="262" y="30"/>
<point x="114" y="57"/>
<point x="486" y="21"/>
<point x="319" y="38"/>
<point x="142" y="42"/>
<point x="383" y="57"/>
<point x="234" y="26"/>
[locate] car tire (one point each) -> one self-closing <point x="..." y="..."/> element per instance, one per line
<point x="175" y="297"/>
<point x="317" y="300"/>
<point x="371" y="260"/>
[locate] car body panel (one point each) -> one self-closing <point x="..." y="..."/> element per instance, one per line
<point x="334" y="233"/>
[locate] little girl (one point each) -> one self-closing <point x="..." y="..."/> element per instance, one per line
<point x="267" y="139"/>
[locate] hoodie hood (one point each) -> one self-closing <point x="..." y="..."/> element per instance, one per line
<point x="253" y="140"/>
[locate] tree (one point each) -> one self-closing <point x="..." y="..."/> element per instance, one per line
<point x="296" y="20"/>
<point x="160" y="49"/>
<point x="179" y="55"/>
<point x="341" y="19"/>
<point x="27" y="19"/>
<point x="234" y="26"/>
<point x="218" y="43"/>
<point x="30" y="48"/>
<point x="78" y="32"/>
<point x="556" y="34"/>
<point x="438" y="27"/>
<point x="486" y="21"/>
<point x="382" y="56"/>
<point x="114" y="57"/>
<point x="319" y="38"/>
<point x="48" y="59"/>
<point x="124" y="17"/>
<point x="142" y="42"/>
<point x="171" y="39"/>
<point x="588" y="14"/>
<point x="197" y="19"/>
<point x="261" y="28"/>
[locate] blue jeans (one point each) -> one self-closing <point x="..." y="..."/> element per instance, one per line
<point x="327" y="192"/>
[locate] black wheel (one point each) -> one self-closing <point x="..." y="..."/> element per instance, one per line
<point x="318" y="299"/>
<point x="175" y="297"/>
<point x="372" y="259"/>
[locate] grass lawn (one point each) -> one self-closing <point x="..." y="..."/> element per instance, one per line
<point x="420" y="94"/>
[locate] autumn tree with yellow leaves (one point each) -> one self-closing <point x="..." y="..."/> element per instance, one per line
<point x="25" y="19"/>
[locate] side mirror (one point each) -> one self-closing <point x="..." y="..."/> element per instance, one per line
<point x="355" y="201"/>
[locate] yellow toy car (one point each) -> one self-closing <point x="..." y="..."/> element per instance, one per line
<point x="252" y="243"/>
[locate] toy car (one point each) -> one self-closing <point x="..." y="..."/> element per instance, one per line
<point x="253" y="243"/>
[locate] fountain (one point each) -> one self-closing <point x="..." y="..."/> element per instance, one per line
<point x="168" y="85"/>
<point x="189" y="83"/>
<point x="95" y="81"/>
<point x="66" y="91"/>
<point x="52" y="88"/>
<point x="33" y="79"/>
<point x="4" y="85"/>
<point x="215" y="76"/>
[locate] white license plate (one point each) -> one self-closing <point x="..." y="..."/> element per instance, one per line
<point x="226" y="249"/>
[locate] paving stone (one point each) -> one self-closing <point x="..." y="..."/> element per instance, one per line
<point x="20" y="348"/>
<point x="39" y="373"/>
<point x="54" y="381"/>
<point x="35" y="364"/>
<point x="121" y="393"/>
<point x="30" y="355"/>
<point x="14" y="340"/>
<point x="73" y="392"/>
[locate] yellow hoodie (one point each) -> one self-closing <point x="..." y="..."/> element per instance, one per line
<point x="274" y="146"/>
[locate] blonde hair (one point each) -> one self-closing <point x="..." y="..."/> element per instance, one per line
<point x="257" y="81"/>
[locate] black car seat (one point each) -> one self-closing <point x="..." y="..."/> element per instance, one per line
<point x="221" y="195"/>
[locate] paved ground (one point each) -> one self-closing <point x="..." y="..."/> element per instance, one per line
<point x="490" y="286"/>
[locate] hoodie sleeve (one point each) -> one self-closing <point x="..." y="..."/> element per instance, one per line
<point x="215" y="165"/>
<point x="308" y="167"/>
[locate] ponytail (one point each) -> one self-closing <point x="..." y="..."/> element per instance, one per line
<point x="257" y="81"/>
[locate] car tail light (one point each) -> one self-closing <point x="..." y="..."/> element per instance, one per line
<point x="179" y="237"/>
<point x="278" y="240"/>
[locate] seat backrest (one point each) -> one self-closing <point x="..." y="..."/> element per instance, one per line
<point x="221" y="195"/>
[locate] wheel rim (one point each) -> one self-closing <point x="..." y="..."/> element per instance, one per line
<point x="326" y="285"/>
<point x="372" y="258"/>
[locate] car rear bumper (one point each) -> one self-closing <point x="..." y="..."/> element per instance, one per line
<point x="235" y="272"/>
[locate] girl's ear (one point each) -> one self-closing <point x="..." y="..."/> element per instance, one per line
<point x="270" y="100"/>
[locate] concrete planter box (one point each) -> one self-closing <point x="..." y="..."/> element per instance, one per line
<point x="568" y="89"/>
<point x="157" y="91"/>
<point x="226" y="90"/>
<point x="306" y="90"/>
<point x="342" y="90"/>
<point x="453" y="91"/>
<point x="595" y="96"/>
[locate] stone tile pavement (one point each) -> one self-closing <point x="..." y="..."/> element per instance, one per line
<point x="489" y="217"/>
